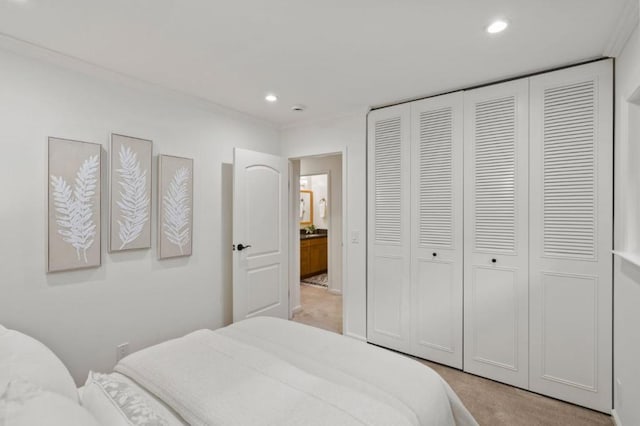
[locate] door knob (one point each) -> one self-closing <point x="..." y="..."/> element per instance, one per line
<point x="494" y="260"/>
<point x="242" y="246"/>
<point x="435" y="254"/>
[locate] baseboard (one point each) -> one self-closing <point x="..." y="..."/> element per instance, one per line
<point x="616" y="419"/>
<point x="335" y="291"/>
<point x="356" y="336"/>
<point x="296" y="310"/>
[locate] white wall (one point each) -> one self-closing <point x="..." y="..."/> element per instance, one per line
<point x="132" y="297"/>
<point x="627" y="240"/>
<point x="333" y="166"/>
<point x="347" y="134"/>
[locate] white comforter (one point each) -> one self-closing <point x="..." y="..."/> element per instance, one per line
<point x="266" y="371"/>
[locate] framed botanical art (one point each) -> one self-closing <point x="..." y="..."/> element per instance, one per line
<point x="175" y="206"/>
<point x="73" y="235"/>
<point x="130" y="193"/>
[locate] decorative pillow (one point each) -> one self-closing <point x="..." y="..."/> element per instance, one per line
<point x="116" y="401"/>
<point x="22" y="403"/>
<point x="23" y="357"/>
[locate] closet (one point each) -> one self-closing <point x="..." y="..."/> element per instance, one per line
<point x="415" y="228"/>
<point x="490" y="229"/>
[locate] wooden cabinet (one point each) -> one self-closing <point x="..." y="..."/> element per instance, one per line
<point x="313" y="256"/>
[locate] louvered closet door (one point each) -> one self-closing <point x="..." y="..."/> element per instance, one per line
<point x="436" y="223"/>
<point x="388" y="239"/>
<point x="571" y="232"/>
<point x="496" y="227"/>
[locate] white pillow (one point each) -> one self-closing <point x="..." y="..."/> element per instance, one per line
<point x="25" y="404"/>
<point x="23" y="357"/>
<point x="115" y="400"/>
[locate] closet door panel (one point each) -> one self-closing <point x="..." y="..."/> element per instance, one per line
<point x="436" y="224"/>
<point x="496" y="232"/>
<point x="387" y="300"/>
<point x="388" y="285"/>
<point x="571" y="234"/>
<point x="495" y="314"/>
<point x="435" y="310"/>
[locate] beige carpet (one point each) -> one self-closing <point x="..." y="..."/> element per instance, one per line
<point x="496" y="404"/>
<point x="491" y="403"/>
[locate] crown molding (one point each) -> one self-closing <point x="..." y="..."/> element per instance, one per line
<point x="627" y="23"/>
<point x="27" y="49"/>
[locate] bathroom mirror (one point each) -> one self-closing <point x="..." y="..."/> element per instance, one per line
<point x="306" y="207"/>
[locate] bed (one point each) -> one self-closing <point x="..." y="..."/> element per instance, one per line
<point x="267" y="371"/>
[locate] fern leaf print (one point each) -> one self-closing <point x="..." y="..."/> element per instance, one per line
<point x="175" y="203"/>
<point x="74" y="208"/>
<point x="134" y="198"/>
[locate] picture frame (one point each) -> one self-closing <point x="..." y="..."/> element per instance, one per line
<point x="306" y="207"/>
<point x="175" y="206"/>
<point x="130" y="180"/>
<point x="74" y="170"/>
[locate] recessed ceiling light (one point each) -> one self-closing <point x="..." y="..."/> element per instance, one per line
<point x="271" y="97"/>
<point x="298" y="108"/>
<point x="497" y="27"/>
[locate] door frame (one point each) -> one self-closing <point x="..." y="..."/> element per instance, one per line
<point x="294" y="231"/>
<point x="326" y="173"/>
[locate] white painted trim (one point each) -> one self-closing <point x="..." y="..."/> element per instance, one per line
<point x="70" y="62"/>
<point x="616" y="418"/>
<point x="331" y="267"/>
<point x="627" y="22"/>
<point x="345" y="241"/>
<point x="294" y="239"/>
<point x="345" y="266"/>
<point x="335" y="291"/>
<point x="356" y="336"/>
<point x="633" y="258"/>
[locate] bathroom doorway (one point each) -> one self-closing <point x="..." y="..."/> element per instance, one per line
<point x="319" y="253"/>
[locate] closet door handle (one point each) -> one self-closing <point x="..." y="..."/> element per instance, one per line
<point x="242" y="246"/>
<point x="435" y="254"/>
<point x="494" y="260"/>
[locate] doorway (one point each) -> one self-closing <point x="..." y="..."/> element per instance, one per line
<point x="317" y="256"/>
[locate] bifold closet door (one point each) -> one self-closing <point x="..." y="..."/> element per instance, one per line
<point x="436" y="224"/>
<point x="388" y="263"/>
<point x="496" y="227"/>
<point x="571" y="151"/>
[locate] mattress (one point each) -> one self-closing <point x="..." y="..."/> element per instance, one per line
<point x="270" y="371"/>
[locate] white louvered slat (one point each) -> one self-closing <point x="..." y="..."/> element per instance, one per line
<point x="436" y="192"/>
<point x="496" y="224"/>
<point x="388" y="242"/>
<point x="569" y="179"/>
<point x="388" y="180"/>
<point x="495" y="175"/>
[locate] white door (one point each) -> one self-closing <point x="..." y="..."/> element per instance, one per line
<point x="388" y="263"/>
<point x="496" y="227"/>
<point x="571" y="234"/>
<point x="260" y="257"/>
<point x="436" y="223"/>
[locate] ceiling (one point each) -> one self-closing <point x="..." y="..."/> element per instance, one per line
<point x="334" y="56"/>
